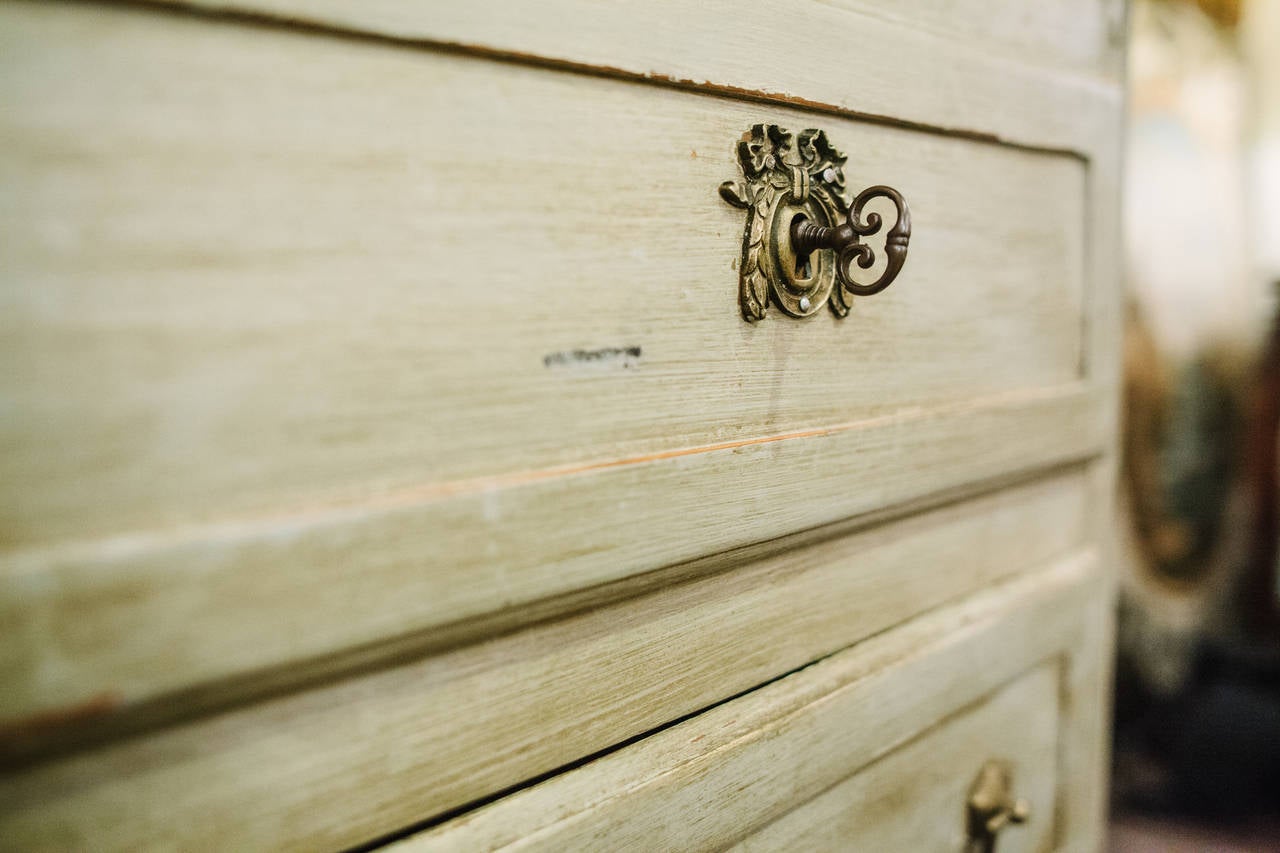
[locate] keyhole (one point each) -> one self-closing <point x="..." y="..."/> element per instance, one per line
<point x="804" y="269"/>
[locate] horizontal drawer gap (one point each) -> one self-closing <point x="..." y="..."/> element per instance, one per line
<point x="97" y="716"/>
<point x="261" y="18"/>
<point x="121" y="546"/>
<point x="481" y="802"/>
<point x="885" y="750"/>
<point x="402" y="717"/>
<point x="742" y="723"/>
<point x="49" y="736"/>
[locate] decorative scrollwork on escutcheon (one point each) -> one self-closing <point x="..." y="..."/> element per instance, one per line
<point x="802" y="237"/>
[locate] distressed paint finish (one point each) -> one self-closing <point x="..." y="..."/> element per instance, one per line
<point x="718" y="777"/>
<point x="487" y="716"/>
<point x="291" y="368"/>
<point x="373" y="569"/>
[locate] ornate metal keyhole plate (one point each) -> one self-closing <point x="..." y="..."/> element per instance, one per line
<point x="802" y="235"/>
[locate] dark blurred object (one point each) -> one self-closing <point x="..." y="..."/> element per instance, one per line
<point x="1211" y="751"/>
<point x="1260" y="604"/>
<point x="1180" y="444"/>
<point x="1141" y="834"/>
<point x="1185" y="504"/>
<point x="1197" y="714"/>
<point x="1206" y="743"/>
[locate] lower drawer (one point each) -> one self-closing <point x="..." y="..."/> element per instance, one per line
<point x="354" y="759"/>
<point x="874" y="748"/>
<point x="912" y="798"/>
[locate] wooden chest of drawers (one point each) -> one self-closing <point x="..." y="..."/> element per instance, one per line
<point x="387" y="458"/>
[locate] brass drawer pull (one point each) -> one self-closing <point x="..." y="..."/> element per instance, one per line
<point x="795" y="247"/>
<point x="991" y="807"/>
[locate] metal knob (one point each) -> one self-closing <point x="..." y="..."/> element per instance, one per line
<point x="991" y="807"/>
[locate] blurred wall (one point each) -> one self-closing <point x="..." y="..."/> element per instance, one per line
<point x="1260" y="42"/>
<point x="1202" y="211"/>
<point x="1190" y="250"/>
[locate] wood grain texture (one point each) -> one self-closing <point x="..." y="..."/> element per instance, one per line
<point x="148" y="615"/>
<point x="391" y="748"/>
<point x="977" y="66"/>
<point x="253" y="414"/>
<point x="236" y="237"/>
<point x="1085" y="748"/>
<point x="1083" y="804"/>
<point x="213" y="308"/>
<point x="717" y="777"/>
<point x="913" y="798"/>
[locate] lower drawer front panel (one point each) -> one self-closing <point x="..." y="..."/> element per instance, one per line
<point x="905" y="721"/>
<point x="396" y="746"/>
<point x="914" y="798"/>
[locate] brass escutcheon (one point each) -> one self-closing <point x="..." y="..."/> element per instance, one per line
<point x="802" y="236"/>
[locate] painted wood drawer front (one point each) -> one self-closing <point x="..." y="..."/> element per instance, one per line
<point x="314" y="343"/>
<point x="385" y="459"/>
<point x="361" y="757"/>
<point x="871" y="749"/>
<point x="908" y="799"/>
<point x="975" y="66"/>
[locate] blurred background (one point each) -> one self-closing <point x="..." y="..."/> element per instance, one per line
<point x="1197" y="716"/>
